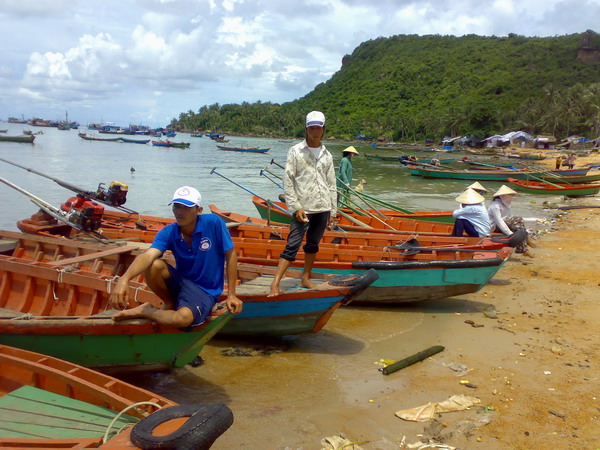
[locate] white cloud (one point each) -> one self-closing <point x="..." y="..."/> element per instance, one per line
<point x="156" y="58"/>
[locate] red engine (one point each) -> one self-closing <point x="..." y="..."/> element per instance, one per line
<point x="83" y="212"/>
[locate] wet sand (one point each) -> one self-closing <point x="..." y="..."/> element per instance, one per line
<point x="532" y="353"/>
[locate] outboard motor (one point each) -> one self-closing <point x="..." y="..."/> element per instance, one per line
<point x="83" y="212"/>
<point x="115" y="195"/>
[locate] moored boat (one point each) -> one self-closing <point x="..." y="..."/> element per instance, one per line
<point x="24" y="139"/>
<point x="89" y="137"/>
<point x="554" y="188"/>
<point x="46" y="402"/>
<point x="167" y="143"/>
<point x="489" y="175"/>
<point x="85" y="289"/>
<point x="134" y="141"/>
<point x="273" y="211"/>
<point x="242" y="149"/>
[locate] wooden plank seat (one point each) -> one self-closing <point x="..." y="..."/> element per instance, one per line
<point x="29" y="412"/>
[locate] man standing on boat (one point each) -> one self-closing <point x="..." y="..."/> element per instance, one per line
<point x="201" y="245"/>
<point x="311" y="196"/>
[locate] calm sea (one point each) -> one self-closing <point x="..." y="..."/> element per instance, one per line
<point x="159" y="171"/>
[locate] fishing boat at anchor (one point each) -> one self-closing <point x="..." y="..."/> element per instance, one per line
<point x="23" y="139"/>
<point x="274" y="211"/>
<point x="404" y="276"/>
<point x="243" y="149"/>
<point x="49" y="403"/>
<point x="554" y="188"/>
<point x="46" y="262"/>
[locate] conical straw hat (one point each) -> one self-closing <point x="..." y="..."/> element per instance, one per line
<point x="477" y="186"/>
<point x="470" y="197"/>
<point x="351" y="149"/>
<point x="504" y="190"/>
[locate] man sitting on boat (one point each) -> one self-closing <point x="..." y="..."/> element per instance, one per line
<point x="472" y="217"/>
<point x="201" y="245"/>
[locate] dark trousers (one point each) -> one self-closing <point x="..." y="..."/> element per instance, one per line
<point x="313" y="229"/>
<point x="463" y="225"/>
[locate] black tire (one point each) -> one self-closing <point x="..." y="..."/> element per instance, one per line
<point x="205" y="424"/>
<point x="357" y="282"/>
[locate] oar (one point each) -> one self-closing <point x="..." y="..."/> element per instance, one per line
<point x="285" y="211"/>
<point x="383" y="203"/>
<point x="271" y="173"/>
<point x="354" y="220"/>
<point x="358" y="211"/>
<point x="270" y="179"/>
<point x="277" y="164"/>
<point x="346" y="198"/>
<point x="90" y="194"/>
<point x="53" y="211"/>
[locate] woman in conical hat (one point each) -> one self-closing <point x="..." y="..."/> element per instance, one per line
<point x="345" y="173"/>
<point x="478" y="187"/>
<point x="472" y="217"/>
<point x="502" y="219"/>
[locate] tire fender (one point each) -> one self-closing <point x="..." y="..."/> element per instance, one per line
<point x="205" y="424"/>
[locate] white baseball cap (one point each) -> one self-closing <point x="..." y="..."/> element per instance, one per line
<point x="315" y="118"/>
<point x="187" y="196"/>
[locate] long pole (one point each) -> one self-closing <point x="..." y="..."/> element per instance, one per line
<point x="70" y="187"/>
<point x="262" y="173"/>
<point x="285" y="211"/>
<point x="52" y="210"/>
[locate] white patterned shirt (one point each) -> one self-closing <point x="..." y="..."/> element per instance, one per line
<point x="309" y="181"/>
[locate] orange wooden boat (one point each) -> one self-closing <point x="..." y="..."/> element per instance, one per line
<point x="261" y="229"/>
<point x="72" y="281"/>
<point x="49" y="403"/>
<point x="272" y="210"/>
<point x="54" y="298"/>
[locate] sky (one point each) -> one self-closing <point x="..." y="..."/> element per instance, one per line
<point x="146" y="61"/>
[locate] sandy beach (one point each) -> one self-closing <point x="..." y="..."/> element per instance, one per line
<point x="526" y="348"/>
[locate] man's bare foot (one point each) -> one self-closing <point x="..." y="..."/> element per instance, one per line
<point x="134" y="313"/>
<point x="307" y="284"/>
<point x="528" y="253"/>
<point x="274" y="291"/>
<point x="531" y="243"/>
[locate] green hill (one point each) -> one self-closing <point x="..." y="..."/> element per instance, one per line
<point x="411" y="87"/>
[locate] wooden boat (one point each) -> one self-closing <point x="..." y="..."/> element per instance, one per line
<point x="6" y="131"/>
<point x="46" y="402"/>
<point x="404" y="276"/>
<point x="401" y="158"/>
<point x="544" y="188"/>
<point x="272" y="211"/>
<point x="61" y="287"/>
<point x="134" y="141"/>
<point x="489" y="175"/>
<point x="162" y="143"/>
<point x="95" y="138"/>
<point x="527" y="156"/>
<point x="243" y="149"/>
<point x="23" y="139"/>
<point x="380" y="238"/>
<point x="36" y="259"/>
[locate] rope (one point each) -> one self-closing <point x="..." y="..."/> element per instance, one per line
<point x="105" y="437"/>
<point x="109" y="282"/>
<point x="384" y="251"/>
<point x="137" y="289"/>
<point x="59" y="279"/>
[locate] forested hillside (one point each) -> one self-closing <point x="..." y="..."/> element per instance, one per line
<point x="411" y="87"/>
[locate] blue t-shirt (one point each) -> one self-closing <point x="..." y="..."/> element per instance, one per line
<point x="203" y="262"/>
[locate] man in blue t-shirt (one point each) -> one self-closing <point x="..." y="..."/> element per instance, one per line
<point x="201" y="245"/>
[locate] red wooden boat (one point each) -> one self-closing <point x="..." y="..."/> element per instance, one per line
<point x="261" y="229"/>
<point x="552" y="188"/>
<point x="72" y="281"/>
<point x="49" y="403"/>
<point x="273" y="211"/>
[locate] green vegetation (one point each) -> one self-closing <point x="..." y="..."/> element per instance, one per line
<point x="412" y="87"/>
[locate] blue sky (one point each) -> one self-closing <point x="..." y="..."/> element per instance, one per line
<point x="146" y="61"/>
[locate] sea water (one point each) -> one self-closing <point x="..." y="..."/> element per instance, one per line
<point x="159" y="171"/>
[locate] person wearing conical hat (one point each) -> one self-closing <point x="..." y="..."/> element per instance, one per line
<point x="344" y="179"/>
<point x="478" y="187"/>
<point x="472" y="217"/>
<point x="502" y="219"/>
